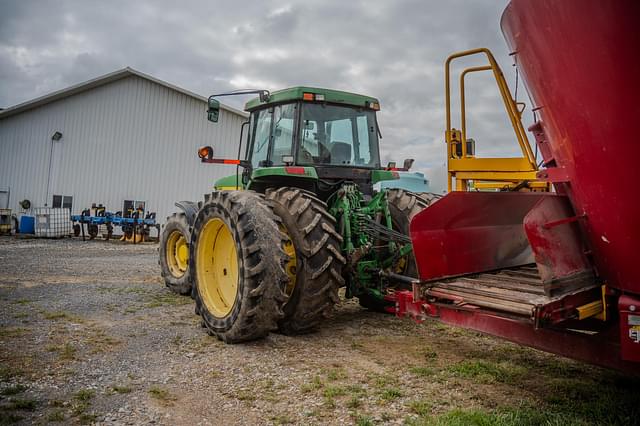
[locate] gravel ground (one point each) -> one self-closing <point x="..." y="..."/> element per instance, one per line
<point x="89" y="334"/>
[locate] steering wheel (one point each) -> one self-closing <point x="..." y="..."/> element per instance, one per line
<point x="305" y="156"/>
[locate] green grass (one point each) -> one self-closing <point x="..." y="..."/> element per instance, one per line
<point x="487" y="372"/>
<point x="390" y="394"/>
<point x="13" y="390"/>
<point x="167" y="299"/>
<point x="56" y="416"/>
<point x="7" y="373"/>
<point x="65" y="352"/>
<point x="22" y="404"/>
<point x="333" y="391"/>
<point x="161" y="394"/>
<point x="121" y="389"/>
<point x="9" y="418"/>
<point x="13" y="331"/>
<point x="422" y="371"/>
<point x="420" y="407"/>
<point x="61" y="315"/>
<point x="84" y="395"/>
<point x="354" y="402"/>
<point x="362" y="420"/>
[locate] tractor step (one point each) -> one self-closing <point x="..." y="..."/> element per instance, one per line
<point x="516" y="291"/>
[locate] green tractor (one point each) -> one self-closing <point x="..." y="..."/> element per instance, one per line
<point x="271" y="246"/>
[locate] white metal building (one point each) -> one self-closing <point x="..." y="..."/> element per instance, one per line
<point x="123" y="136"/>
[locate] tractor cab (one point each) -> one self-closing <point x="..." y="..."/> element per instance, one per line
<point x="318" y="138"/>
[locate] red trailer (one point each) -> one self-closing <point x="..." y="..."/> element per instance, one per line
<point x="555" y="271"/>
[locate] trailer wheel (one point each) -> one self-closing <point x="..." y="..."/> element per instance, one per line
<point x="237" y="263"/>
<point x="315" y="272"/>
<point x="93" y="230"/>
<point x="174" y="254"/>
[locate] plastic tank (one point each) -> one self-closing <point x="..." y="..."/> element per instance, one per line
<point x="27" y="224"/>
<point x="52" y="222"/>
<point x="580" y="62"/>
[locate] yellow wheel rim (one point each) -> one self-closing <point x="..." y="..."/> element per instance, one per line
<point x="217" y="268"/>
<point x="177" y="253"/>
<point x="291" y="266"/>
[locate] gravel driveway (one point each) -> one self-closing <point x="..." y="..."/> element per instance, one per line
<point x="89" y="334"/>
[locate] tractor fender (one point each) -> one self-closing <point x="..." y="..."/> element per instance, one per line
<point x="190" y="209"/>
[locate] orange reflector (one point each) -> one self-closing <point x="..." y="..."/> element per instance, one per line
<point x="231" y="161"/>
<point x="205" y="152"/>
<point x="307" y="96"/>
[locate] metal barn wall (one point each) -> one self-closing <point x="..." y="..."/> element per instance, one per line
<point x="129" y="139"/>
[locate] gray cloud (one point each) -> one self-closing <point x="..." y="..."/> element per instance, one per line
<point x="392" y="50"/>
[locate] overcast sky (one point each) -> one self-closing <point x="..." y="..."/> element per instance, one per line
<point x="393" y="50"/>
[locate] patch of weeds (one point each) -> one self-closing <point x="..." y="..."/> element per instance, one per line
<point x="382" y="381"/>
<point x="66" y="352"/>
<point x="336" y="374"/>
<point x="84" y="395"/>
<point x="333" y="391"/>
<point x="161" y="395"/>
<point x="61" y="315"/>
<point x="356" y="345"/>
<point x="362" y="420"/>
<point x="356" y="389"/>
<point x="488" y="372"/>
<point x="87" y="419"/>
<point x="131" y="310"/>
<point x="9" y="418"/>
<point x="21" y="315"/>
<point x="354" y="402"/>
<point x="21" y="302"/>
<point x="282" y="419"/>
<point x="7" y="373"/>
<point x="315" y="384"/>
<point x="79" y="407"/>
<point x="13" y="331"/>
<point x="428" y="354"/>
<point x="390" y="394"/>
<point x="13" y="390"/>
<point x="170" y="299"/>
<point x="121" y="389"/>
<point x="99" y="341"/>
<point x="56" y="403"/>
<point x="56" y="416"/>
<point x="245" y="395"/>
<point x="422" y="371"/>
<point x="22" y="404"/>
<point x="420" y="407"/>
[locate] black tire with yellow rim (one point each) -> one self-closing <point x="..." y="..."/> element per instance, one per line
<point x="174" y="254"/>
<point x="237" y="261"/>
<point x="315" y="266"/>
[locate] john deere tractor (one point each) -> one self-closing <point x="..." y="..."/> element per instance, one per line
<point x="270" y="247"/>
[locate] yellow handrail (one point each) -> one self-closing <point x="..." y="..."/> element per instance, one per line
<point x="454" y="136"/>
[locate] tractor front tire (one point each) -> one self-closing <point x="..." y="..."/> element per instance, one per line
<point x="237" y="264"/>
<point x="316" y="274"/>
<point x="174" y="254"/>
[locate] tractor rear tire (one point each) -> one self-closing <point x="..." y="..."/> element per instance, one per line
<point x="316" y="274"/>
<point x="403" y="206"/>
<point x="237" y="266"/>
<point x="174" y="254"/>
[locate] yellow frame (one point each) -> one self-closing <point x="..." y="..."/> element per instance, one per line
<point x="487" y="173"/>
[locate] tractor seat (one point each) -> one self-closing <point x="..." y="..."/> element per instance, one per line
<point x="340" y="153"/>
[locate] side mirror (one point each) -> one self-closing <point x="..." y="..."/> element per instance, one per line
<point x="213" y="110"/>
<point x="408" y="163"/>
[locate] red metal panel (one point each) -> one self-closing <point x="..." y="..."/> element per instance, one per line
<point x="554" y="234"/>
<point x="580" y="62"/>
<point x="467" y="232"/>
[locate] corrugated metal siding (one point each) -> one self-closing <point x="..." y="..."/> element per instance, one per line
<point x="130" y="139"/>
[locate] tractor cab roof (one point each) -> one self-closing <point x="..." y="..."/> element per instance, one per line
<point x="315" y="94"/>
